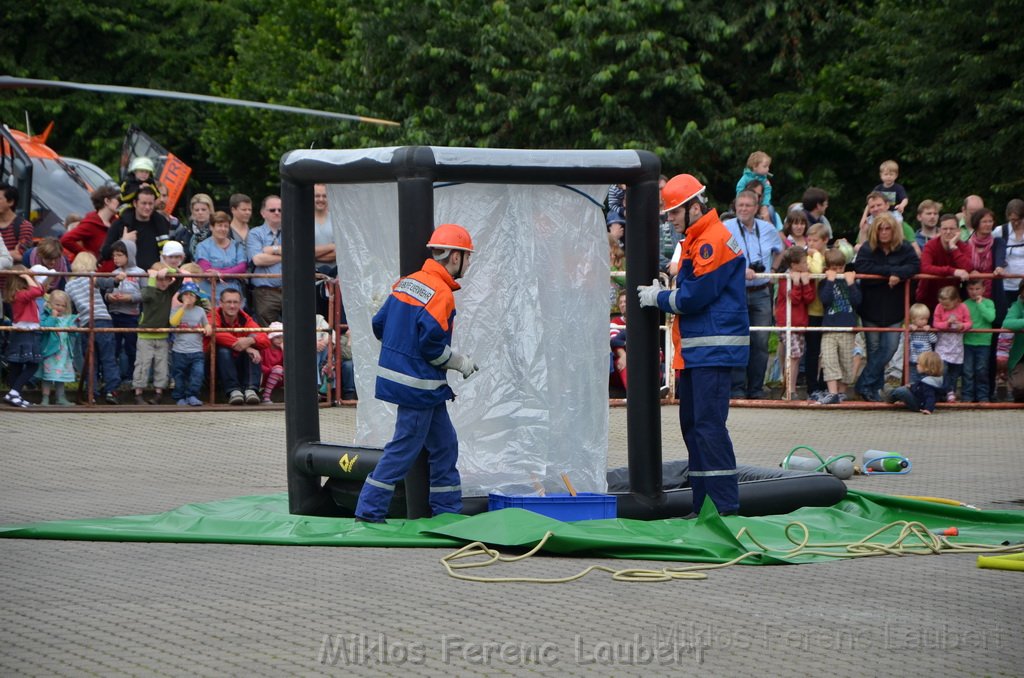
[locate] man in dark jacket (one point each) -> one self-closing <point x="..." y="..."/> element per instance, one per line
<point x="142" y="224"/>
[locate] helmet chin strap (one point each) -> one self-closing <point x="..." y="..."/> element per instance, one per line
<point x="462" y="263"/>
<point x="686" y="219"/>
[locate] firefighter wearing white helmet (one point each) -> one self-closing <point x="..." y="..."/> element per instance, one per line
<point x="711" y="302"/>
<point x="414" y="327"/>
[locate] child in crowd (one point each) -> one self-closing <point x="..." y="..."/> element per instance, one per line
<point x="758" y="169"/>
<point x="922" y="337"/>
<point x="324" y="355"/>
<point x="794" y="229"/>
<point x="123" y="294"/>
<point x="888" y="172"/>
<point x="187" y="271"/>
<point x="924" y="393"/>
<point x="840" y="296"/>
<point x="152" y="350"/>
<point x="23" y="348"/>
<point x="173" y="254"/>
<point x="140" y="173"/>
<point x="952" y="319"/>
<point x="978" y="345"/>
<point x="272" y="361"/>
<point x="187" y="352"/>
<point x="91" y="307"/>
<point x="58" y="367"/>
<point x="617" y="336"/>
<point x="799" y="289"/>
<point x="817" y="243"/>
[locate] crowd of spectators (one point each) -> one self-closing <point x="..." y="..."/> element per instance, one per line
<point x="796" y="268"/>
<point x="172" y="294"/>
<point x="801" y="275"/>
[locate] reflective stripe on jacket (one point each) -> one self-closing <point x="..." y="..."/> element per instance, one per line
<point x="711" y="297"/>
<point x="415" y="329"/>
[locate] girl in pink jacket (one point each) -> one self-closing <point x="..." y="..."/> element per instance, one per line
<point x="952" y="318"/>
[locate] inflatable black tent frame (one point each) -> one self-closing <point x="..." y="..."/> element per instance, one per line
<point x="415" y="169"/>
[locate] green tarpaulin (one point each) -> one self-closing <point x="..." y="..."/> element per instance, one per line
<point x="265" y="520"/>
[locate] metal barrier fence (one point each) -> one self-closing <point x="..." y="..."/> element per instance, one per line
<point x="336" y="327"/>
<point x="87" y="375"/>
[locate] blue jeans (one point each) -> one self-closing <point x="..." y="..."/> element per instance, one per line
<point x="104" y="360"/>
<point x="904" y="395"/>
<point x="125" y="343"/>
<point x="880" y="348"/>
<point x="236" y="371"/>
<point x="952" y="372"/>
<point x="187" y="369"/>
<point x="749" y="381"/>
<point x="976" y="374"/>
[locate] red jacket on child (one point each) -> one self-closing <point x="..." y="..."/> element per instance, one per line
<point x="801" y="297"/>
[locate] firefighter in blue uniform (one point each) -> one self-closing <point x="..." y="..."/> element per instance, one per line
<point x="415" y="329"/>
<point x="711" y="301"/>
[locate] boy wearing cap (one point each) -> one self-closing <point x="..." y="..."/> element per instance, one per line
<point x="152" y="349"/>
<point x="172" y="253"/>
<point x="187" y="352"/>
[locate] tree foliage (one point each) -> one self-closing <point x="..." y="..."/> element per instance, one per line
<point x="828" y="88"/>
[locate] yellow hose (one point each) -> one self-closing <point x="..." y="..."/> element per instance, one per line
<point x="1011" y="562"/>
<point x="938" y="500"/>
<point x="913" y="538"/>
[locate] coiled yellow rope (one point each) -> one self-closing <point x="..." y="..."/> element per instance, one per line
<point x="913" y="539"/>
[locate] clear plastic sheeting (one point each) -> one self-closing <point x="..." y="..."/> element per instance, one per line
<point x="532" y="312"/>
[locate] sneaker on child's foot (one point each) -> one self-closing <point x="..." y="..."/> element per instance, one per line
<point x="266" y="401"/>
<point x="252" y="397"/>
<point x="181" y="402"/>
<point x="830" y="399"/>
<point x="193" y="401"/>
<point x="139" y="400"/>
<point x="950" y="397"/>
<point x="236" y="398"/>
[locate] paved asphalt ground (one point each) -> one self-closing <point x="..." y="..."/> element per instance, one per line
<point x="88" y="608"/>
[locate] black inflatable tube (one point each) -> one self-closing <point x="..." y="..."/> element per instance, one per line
<point x="763" y="491"/>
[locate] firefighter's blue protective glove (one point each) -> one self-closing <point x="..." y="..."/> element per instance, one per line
<point x="649" y="293"/>
<point x="462" y="363"/>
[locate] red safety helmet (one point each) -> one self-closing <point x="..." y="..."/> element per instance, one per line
<point x="679" y="190"/>
<point x="451" y="237"/>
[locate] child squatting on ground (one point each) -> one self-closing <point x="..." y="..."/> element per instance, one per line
<point x="924" y="393"/>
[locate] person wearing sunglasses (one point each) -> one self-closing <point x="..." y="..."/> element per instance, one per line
<point x="263" y="247"/>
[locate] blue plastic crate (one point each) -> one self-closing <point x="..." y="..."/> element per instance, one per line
<point x="564" y="507"/>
